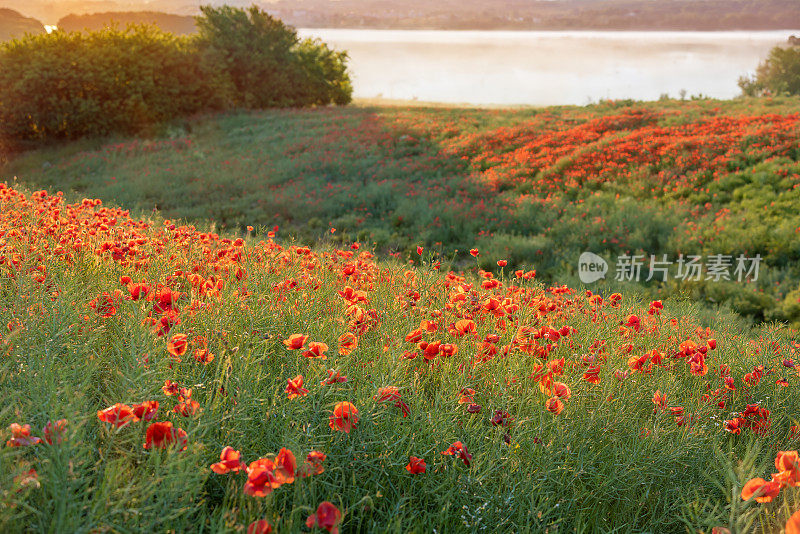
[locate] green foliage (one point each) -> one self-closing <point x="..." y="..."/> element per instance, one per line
<point x="267" y="63"/>
<point x="779" y="74"/>
<point x="71" y="85"/>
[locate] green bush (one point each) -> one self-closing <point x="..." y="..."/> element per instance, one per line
<point x="267" y="62"/>
<point x="71" y="85"/>
<point x="779" y="74"/>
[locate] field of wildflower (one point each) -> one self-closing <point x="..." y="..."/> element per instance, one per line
<point x="161" y="378"/>
<point x="322" y="360"/>
<point x="535" y="186"/>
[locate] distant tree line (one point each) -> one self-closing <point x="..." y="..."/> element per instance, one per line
<point x="177" y="24"/>
<point x="66" y="85"/>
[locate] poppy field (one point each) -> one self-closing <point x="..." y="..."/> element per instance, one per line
<point x="535" y="186"/>
<point x="161" y="377"/>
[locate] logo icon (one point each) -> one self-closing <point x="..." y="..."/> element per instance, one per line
<point x="591" y="267"/>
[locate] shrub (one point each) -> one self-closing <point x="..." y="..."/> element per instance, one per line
<point x="266" y="61"/>
<point x="70" y="85"/>
<point x="779" y="74"/>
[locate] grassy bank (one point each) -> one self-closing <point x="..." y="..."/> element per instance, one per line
<point x="534" y="408"/>
<point x="536" y="186"/>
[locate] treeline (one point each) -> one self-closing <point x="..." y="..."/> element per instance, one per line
<point x="14" y="25"/>
<point x="705" y="15"/>
<point x="177" y="24"/>
<point x="66" y="85"/>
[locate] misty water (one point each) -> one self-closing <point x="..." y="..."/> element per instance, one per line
<point x="544" y="68"/>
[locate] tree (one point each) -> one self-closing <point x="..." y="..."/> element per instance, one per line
<point x="267" y="63"/>
<point x="779" y="74"/>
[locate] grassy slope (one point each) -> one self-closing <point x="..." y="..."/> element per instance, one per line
<point x="608" y="462"/>
<point x="535" y="186"/>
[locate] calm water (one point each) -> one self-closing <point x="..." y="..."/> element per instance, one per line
<point x="542" y="68"/>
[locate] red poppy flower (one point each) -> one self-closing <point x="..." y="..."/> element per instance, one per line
<point x="764" y="491"/>
<point x="229" y="461"/>
<point x="592" y="375"/>
<point x="259" y="527"/>
<point x="178" y="345"/>
<point x="285" y="466"/>
<point x="146" y="410"/>
<point x="460" y="450"/>
<point x="333" y="378"/>
<point x="295" y="387"/>
<point x="118" y="415"/>
<point x="54" y="431"/>
<point x="162" y="435"/>
<point x="295" y="341"/>
<point x="392" y="394"/>
<point x="554" y="404"/>
<point x="793" y="524"/>
<point x="327" y="517"/>
<point x="416" y="465"/>
<point x="474" y="252"/>
<point x="786" y="462"/>
<point x="260" y="478"/>
<point x="21" y="436"/>
<point x="313" y="464"/>
<point x="344" y="417"/>
<point x="316" y="350"/>
<point x="348" y="342"/>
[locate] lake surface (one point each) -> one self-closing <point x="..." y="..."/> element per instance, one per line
<point x="546" y="68"/>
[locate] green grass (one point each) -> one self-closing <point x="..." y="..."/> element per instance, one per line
<point x="589" y="469"/>
<point x="395" y="177"/>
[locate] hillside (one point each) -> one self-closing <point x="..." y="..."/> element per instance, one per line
<point x="177" y="24"/>
<point x="705" y="15"/>
<point x="688" y="183"/>
<point x="162" y="377"/>
<point x="13" y="25"/>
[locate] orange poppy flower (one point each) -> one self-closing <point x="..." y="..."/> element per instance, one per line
<point x="229" y="462"/>
<point x="348" y="342"/>
<point x="118" y="415"/>
<point x="554" y="404"/>
<point x="416" y="465"/>
<point x="260" y="478"/>
<point x="295" y="387"/>
<point x="763" y="490"/>
<point x="178" y="345"/>
<point x="285" y="466"/>
<point x="793" y="524"/>
<point x="344" y="417"/>
<point x="295" y="341"/>
<point x="316" y="350"/>
<point x="786" y="462"/>
<point x="334" y="377"/>
<point x="313" y="464"/>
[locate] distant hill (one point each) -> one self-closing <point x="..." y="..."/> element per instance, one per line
<point x="177" y="24"/>
<point x="13" y="25"/>
<point x="706" y="15"/>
